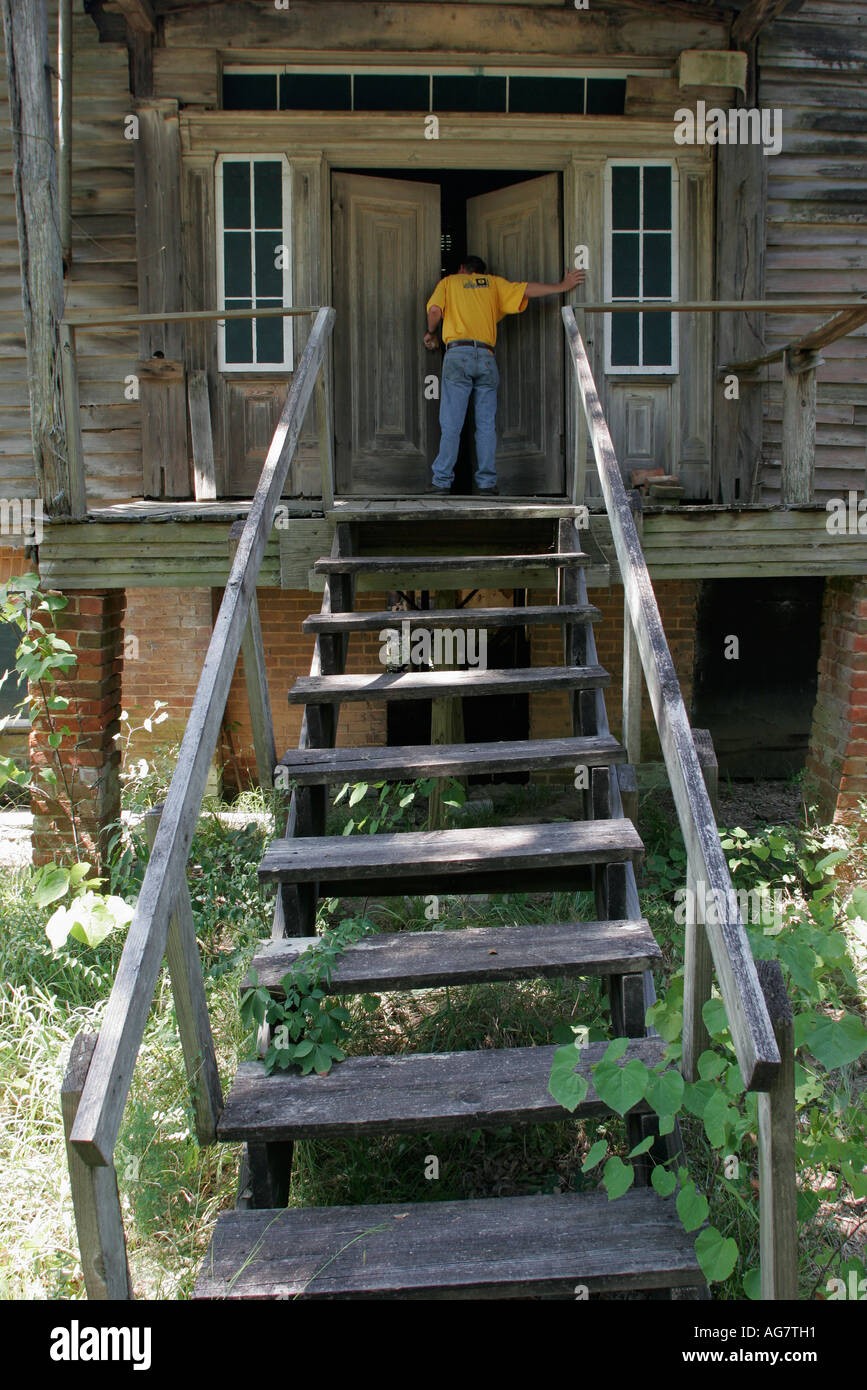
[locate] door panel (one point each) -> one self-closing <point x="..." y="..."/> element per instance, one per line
<point x="517" y="231"/>
<point x="386" y="243"/>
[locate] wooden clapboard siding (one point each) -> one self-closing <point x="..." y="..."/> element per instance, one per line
<point x="812" y="66"/>
<point x="103" y="272"/>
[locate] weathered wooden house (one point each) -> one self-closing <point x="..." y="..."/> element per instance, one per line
<point x="216" y="159"/>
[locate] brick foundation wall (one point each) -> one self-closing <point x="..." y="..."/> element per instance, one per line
<point x="87" y="778"/>
<point x="166" y="636"/>
<point x="836" y="770"/>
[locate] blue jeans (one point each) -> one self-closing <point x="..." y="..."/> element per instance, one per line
<point x="468" y="371"/>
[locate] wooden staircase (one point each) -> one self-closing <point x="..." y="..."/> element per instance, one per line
<point x="499" y="1247"/>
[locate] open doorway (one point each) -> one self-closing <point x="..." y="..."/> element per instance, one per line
<point x="395" y="232"/>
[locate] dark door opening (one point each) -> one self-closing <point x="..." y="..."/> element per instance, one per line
<point x="756" y="693"/>
<point x="486" y="718"/>
<point x="390" y="246"/>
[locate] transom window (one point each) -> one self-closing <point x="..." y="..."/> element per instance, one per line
<point x="640" y="264"/>
<point x="325" y="89"/>
<point x="254" y="261"/>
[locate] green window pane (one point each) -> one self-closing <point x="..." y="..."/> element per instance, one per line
<point x="657" y="197"/>
<point x="624" y="196"/>
<point x="656" y="340"/>
<point x="269" y="280"/>
<point x="236" y="193"/>
<point x="559" y="96"/>
<point x="268" y="197"/>
<point x="657" y="265"/>
<point x="624" y="269"/>
<point x="269" y="338"/>
<point x="469" y="93"/>
<point x="237" y="270"/>
<point x="389" y="92"/>
<point x="249" y="91"/>
<point x="624" y="340"/>
<point x="606" y="96"/>
<point x="315" y="91"/>
<point x="13" y="690"/>
<point x="239" y="334"/>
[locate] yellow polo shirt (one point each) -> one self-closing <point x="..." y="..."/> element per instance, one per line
<point x="472" y="305"/>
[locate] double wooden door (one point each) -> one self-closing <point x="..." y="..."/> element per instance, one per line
<point x="386" y="250"/>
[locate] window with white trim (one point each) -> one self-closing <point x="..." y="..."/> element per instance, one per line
<point x="254" y="261"/>
<point x="640" y="264"/>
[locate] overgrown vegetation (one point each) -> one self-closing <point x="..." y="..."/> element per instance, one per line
<point x="171" y="1190"/>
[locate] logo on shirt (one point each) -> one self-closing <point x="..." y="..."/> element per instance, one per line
<point x="478" y="282"/>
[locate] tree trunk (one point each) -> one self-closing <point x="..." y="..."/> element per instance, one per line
<point x="31" y="113"/>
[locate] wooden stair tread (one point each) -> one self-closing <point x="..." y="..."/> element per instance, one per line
<point x="421" y="685"/>
<point x="412" y="564"/>
<point x="411" y="1091"/>
<point x="453" y="508"/>
<point x="470" y="955"/>
<point x="488" y="1247"/>
<point x="410" y="761"/>
<point x="541" y="615"/>
<point x="463" y="851"/>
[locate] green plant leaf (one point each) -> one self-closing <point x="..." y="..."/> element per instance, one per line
<point x="621" y="1087"/>
<point x="615" y="1050"/>
<point x="833" y="1042"/>
<point x="753" y="1284"/>
<point x="646" y="1143"/>
<point x="710" y="1064"/>
<point x="692" y="1207"/>
<point x="595" y="1155"/>
<point x="617" y="1177"/>
<point x="663" y="1181"/>
<point x="565" y="1084"/>
<point x="716" y="1254"/>
<point x="52" y="885"/>
<point x="714" y="1015"/>
<point x="665" y="1092"/>
<point x="359" y="792"/>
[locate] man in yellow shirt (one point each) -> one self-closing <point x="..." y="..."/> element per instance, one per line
<point x="469" y="306"/>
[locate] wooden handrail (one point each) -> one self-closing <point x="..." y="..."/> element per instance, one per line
<point x="840" y="326"/>
<point x="752" y="1034"/>
<point x="110" y="1074"/>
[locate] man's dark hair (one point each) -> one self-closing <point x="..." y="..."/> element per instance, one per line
<point x="474" y="264"/>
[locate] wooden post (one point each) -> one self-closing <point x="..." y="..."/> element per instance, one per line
<point x="698" y="975"/>
<point x="95" y="1199"/>
<point x="446" y="724"/>
<point x="778" y="1189"/>
<point x="34" y="178"/>
<point x="709" y="766"/>
<point x="326" y="452"/>
<point x="256" y="680"/>
<point x="201" y="434"/>
<point x="64" y="127"/>
<point x="165" y="462"/>
<point x="633" y="679"/>
<point x="191" y="1006"/>
<point x="579" y="470"/>
<point x="72" y="415"/>
<point x="799" y="427"/>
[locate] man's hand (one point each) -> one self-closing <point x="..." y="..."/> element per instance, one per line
<point x="431" y="341"/>
<point x="571" y="279"/>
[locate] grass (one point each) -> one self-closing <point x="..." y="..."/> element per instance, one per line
<point x="171" y="1190"/>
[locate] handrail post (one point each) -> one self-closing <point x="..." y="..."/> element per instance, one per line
<point x="191" y="1006"/>
<point x="326" y="451"/>
<point x="633" y="679"/>
<point x="778" y="1188"/>
<point x="256" y="681"/>
<point x="579" y="470"/>
<point x="95" y="1199"/>
<point x="697" y="973"/>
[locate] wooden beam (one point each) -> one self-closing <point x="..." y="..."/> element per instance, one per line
<point x="778" y="1187"/>
<point x="202" y="436"/>
<point x="421" y="27"/>
<point x="799" y="428"/>
<point x="840" y="326"/>
<point x="34" y="181"/>
<point x="755" y="16"/>
<point x="139" y="14"/>
<point x="95" y="1201"/>
<point x="256" y="681"/>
